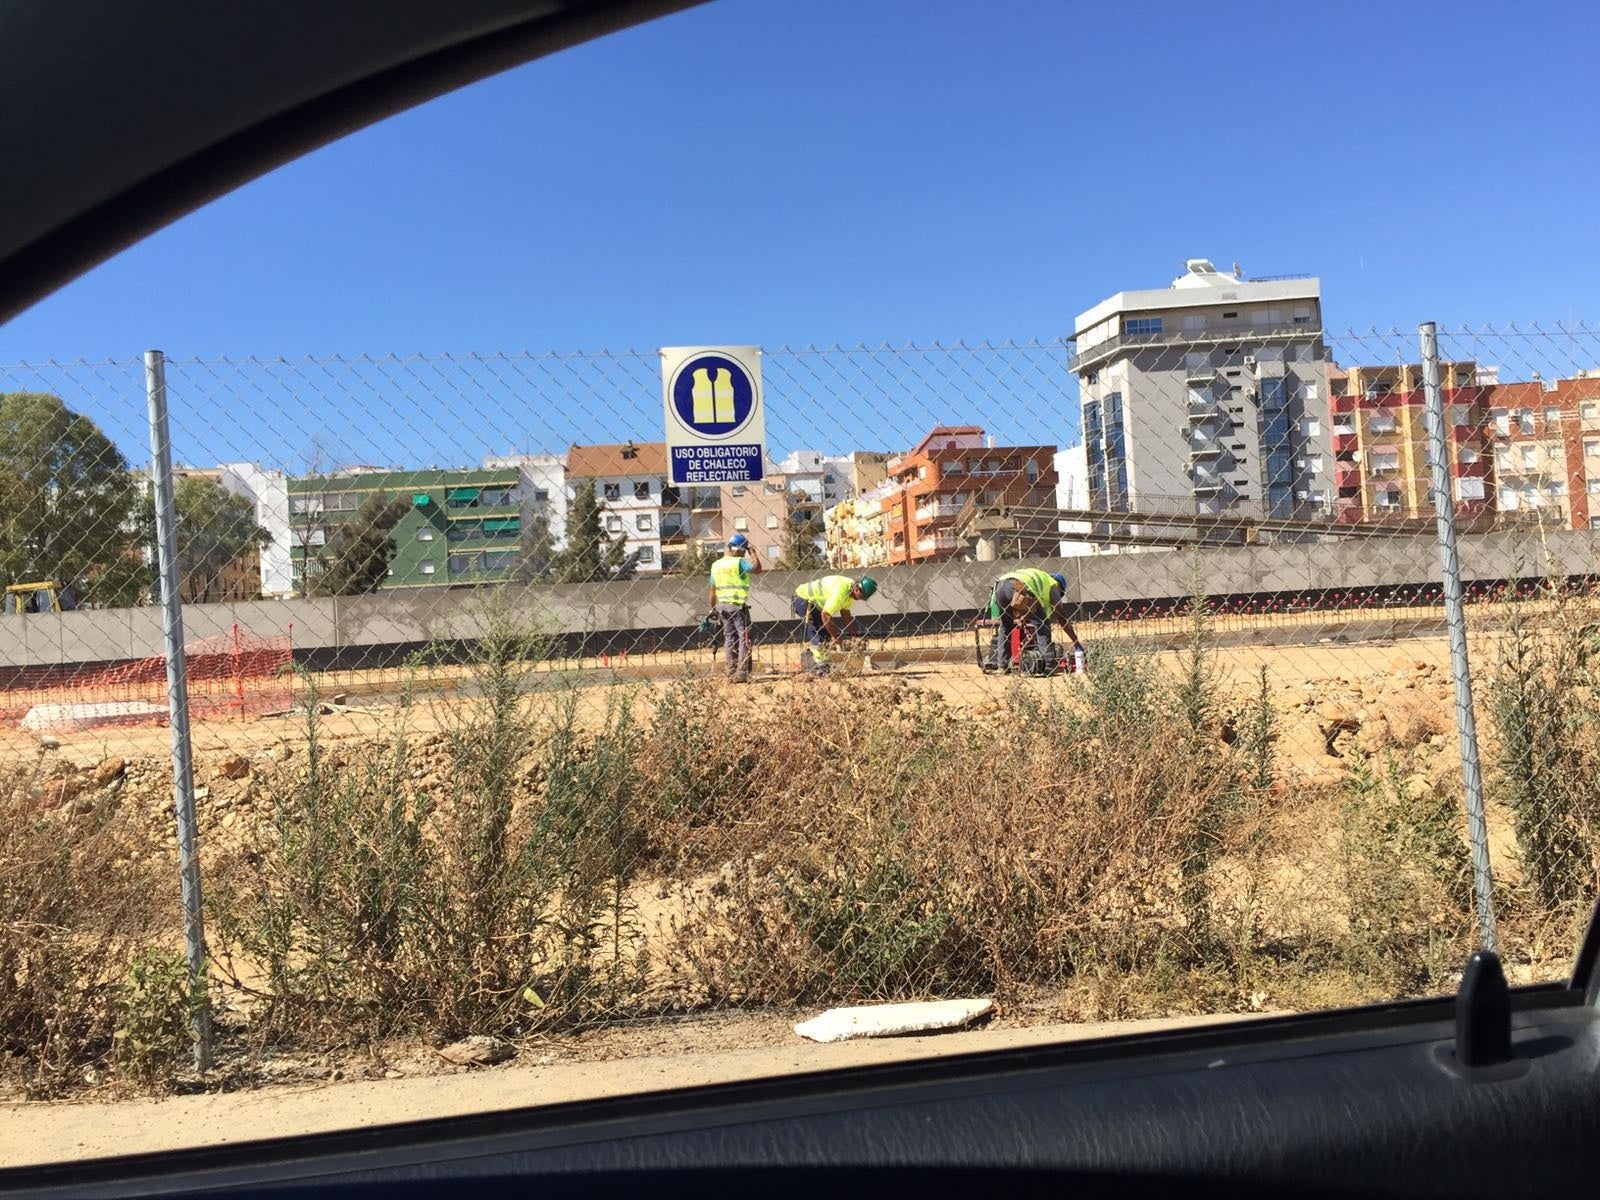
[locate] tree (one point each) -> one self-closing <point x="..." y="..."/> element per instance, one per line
<point x="356" y="556"/>
<point x="800" y="536"/>
<point x="536" y="555"/>
<point x="68" y="502"/>
<point x="215" y="527"/>
<point x="697" y="559"/>
<point x="590" y="554"/>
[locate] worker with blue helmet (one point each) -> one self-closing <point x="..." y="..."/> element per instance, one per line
<point x="1031" y="598"/>
<point x="730" y="602"/>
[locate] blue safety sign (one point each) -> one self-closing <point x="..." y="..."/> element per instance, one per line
<point x="714" y="423"/>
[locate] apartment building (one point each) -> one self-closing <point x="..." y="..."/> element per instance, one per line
<point x="856" y="528"/>
<point x="460" y="526"/>
<point x="542" y="486"/>
<point x="759" y="511"/>
<point x="1546" y="442"/>
<point x="952" y="467"/>
<point x="656" y="520"/>
<point x="1380" y="446"/>
<point x="1207" y="396"/>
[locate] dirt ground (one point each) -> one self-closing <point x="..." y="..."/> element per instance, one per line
<point x="653" y="1058"/>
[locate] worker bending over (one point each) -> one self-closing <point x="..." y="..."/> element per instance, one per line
<point x="824" y="606"/>
<point x="1029" y="596"/>
<point x="730" y="602"/>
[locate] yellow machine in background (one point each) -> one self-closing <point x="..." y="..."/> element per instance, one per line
<point x="33" y="597"/>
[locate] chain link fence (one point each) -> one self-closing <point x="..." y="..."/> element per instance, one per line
<point x="476" y="754"/>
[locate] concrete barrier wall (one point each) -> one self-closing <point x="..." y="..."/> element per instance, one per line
<point x="410" y="618"/>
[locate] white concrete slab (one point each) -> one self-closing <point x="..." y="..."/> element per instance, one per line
<point x="890" y="1020"/>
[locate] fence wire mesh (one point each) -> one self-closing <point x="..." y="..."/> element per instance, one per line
<point x="481" y="751"/>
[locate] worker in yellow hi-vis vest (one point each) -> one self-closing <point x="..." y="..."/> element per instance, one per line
<point x="1030" y="598"/>
<point x="824" y="605"/>
<point x="730" y="602"/>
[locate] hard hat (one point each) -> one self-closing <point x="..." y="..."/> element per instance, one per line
<point x="738" y="542"/>
<point x="1061" y="582"/>
<point x="868" y="585"/>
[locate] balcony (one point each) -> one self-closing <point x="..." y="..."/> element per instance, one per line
<point x="1346" y="474"/>
<point x="708" y="500"/>
<point x="1089" y="357"/>
<point x="673" y="531"/>
<point x="936" y="543"/>
<point x="939" y="510"/>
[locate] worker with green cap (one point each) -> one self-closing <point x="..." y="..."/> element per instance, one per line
<point x="1028" y="597"/>
<point x="730" y="602"/>
<point x="824" y="606"/>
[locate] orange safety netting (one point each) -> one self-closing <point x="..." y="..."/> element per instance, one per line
<point x="234" y="674"/>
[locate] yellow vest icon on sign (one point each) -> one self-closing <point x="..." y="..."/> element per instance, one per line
<point x="713" y="396"/>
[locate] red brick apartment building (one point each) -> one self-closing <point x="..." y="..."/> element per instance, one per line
<point x="1547" y="451"/>
<point x="953" y="467"/>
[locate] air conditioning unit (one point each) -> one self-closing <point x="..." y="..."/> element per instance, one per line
<point x="1250" y="364"/>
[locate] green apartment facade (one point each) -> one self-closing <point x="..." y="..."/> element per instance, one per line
<point x="460" y="527"/>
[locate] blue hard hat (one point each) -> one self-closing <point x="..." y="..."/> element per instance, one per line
<point x="1061" y="582"/>
<point x="738" y="542"/>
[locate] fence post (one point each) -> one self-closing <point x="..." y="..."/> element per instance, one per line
<point x="1456" y="623"/>
<point x="155" y="376"/>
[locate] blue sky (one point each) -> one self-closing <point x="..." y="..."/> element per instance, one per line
<point x="816" y="171"/>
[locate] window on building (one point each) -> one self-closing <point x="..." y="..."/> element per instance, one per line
<point x="1386" y="460"/>
<point x="772" y="551"/>
<point x="614" y="524"/>
<point x="1031" y="470"/>
<point x="829" y="480"/>
<point x="1552" y="416"/>
<point x="1381" y="422"/>
<point x="425" y="533"/>
<point x="1467" y="455"/>
<point x="497" y="561"/>
<point x="498" y="497"/>
<point x="740" y="524"/>
<point x="647" y="554"/>
<point x="1459" y="414"/>
<point x="1389" y="498"/>
<point x="1310" y="427"/>
<point x="1230" y="316"/>
<point x="1593" y="487"/>
<point x="1302" y="314"/>
<point x="670" y="497"/>
<point x="1591" y="447"/>
<point x="1556" y="488"/>
<point x="644" y="522"/>
<point x="611" y="491"/>
<point x="1314" y="464"/>
<point x="739" y="489"/>
<point x="541" y="495"/>
<point x="1589" y="411"/>
<point x="772" y="520"/>
<point x="1469" y="489"/>
<point x="462" y="562"/>
<point x="1267" y="316"/>
<point x="953" y="467"/>
<point x="1530" y="457"/>
<point x="1194" y="322"/>
<point x="1510" y="497"/>
<point x="1502" y="421"/>
<point x="641" y="490"/>
<point x="1142" y="325"/>
<point x="425" y="567"/>
<point x="1525" y="420"/>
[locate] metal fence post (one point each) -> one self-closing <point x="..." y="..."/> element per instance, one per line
<point x="1456" y="623"/>
<point x="155" y="375"/>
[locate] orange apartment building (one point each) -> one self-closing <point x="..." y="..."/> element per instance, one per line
<point x="1380" y="448"/>
<point x="950" y="468"/>
<point x="1547" y="451"/>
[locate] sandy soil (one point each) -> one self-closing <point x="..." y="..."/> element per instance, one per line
<point x="750" y="1048"/>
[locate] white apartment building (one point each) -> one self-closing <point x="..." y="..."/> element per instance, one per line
<point x="1207" y="396"/>
<point x="268" y="491"/>
<point x="1072" y="491"/>
<point x="543" y="488"/>
<point x="657" y="520"/>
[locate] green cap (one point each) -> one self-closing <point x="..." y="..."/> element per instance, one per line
<point x="868" y="585"/>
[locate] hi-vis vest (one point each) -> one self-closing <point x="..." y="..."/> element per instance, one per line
<point x="712" y="392"/>
<point x="1038" y="583"/>
<point x="728" y="577"/>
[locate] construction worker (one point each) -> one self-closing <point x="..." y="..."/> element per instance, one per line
<point x="1028" y="596"/>
<point x="824" y="605"/>
<point x="730" y="602"/>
